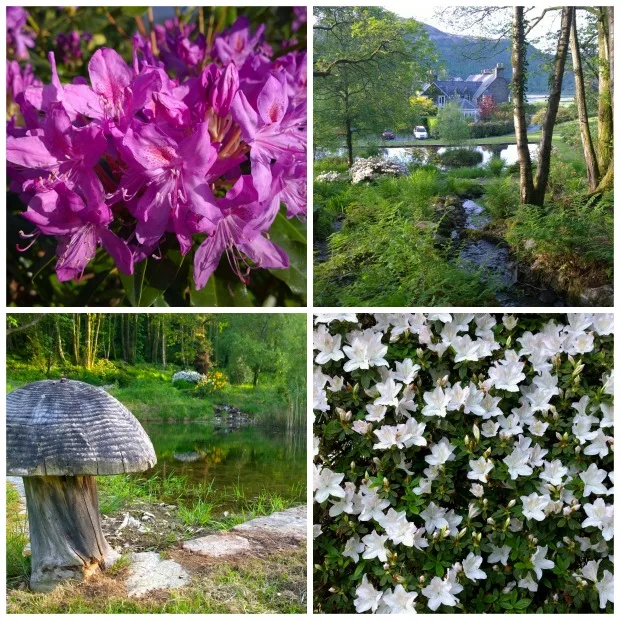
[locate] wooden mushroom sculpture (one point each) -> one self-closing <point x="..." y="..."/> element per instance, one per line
<point x="60" y="436"/>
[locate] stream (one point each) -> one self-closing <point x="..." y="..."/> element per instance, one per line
<point x="500" y="269"/>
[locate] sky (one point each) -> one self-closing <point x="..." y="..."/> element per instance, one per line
<point x="431" y="14"/>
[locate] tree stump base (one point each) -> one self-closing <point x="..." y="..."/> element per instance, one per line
<point x="65" y="530"/>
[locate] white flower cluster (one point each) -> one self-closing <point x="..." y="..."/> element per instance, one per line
<point x="331" y="176"/>
<point x="374" y="167"/>
<point x="510" y="401"/>
<point x="190" y="376"/>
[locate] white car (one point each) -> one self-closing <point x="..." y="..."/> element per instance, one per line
<point x="420" y="133"/>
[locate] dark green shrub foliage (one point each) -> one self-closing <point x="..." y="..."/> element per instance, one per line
<point x="460" y="157"/>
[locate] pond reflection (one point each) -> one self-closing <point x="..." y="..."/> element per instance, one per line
<point x="253" y="458"/>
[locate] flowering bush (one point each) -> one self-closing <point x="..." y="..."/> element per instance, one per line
<point x="331" y="176"/>
<point x="190" y="148"/>
<point x="191" y="376"/>
<point x="463" y="463"/>
<point x="373" y="168"/>
<point x="213" y="381"/>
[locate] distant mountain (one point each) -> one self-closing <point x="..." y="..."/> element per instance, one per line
<point x="460" y="56"/>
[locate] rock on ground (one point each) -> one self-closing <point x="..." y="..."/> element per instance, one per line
<point x="290" y="523"/>
<point x="148" y="571"/>
<point x="218" y="545"/>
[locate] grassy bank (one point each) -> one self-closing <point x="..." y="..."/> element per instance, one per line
<point x="384" y="249"/>
<point x="275" y="583"/>
<point x="148" y="392"/>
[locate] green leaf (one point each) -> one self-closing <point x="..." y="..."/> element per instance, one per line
<point x="151" y="279"/>
<point x="522" y="603"/>
<point x="290" y="235"/>
<point x="219" y="292"/>
<point x="134" y="11"/>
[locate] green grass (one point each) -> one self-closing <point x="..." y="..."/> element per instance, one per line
<point x="271" y="584"/>
<point x="148" y="391"/>
<point x="17" y="565"/>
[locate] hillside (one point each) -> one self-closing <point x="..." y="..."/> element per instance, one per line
<point x="461" y="56"/>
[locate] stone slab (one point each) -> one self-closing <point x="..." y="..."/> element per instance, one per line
<point x="148" y="572"/>
<point x="291" y="523"/>
<point x="218" y="545"/>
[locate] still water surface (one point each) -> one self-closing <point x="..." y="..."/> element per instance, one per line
<point x="254" y="458"/>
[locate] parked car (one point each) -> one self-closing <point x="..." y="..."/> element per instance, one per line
<point x="388" y="135"/>
<point x="420" y="133"/>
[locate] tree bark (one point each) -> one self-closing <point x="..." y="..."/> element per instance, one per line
<point x="163" y="340"/>
<point x="605" y="109"/>
<point x="553" y="103"/>
<point x="526" y="182"/>
<point x="65" y="531"/>
<point x="589" y="153"/>
<point x="61" y="353"/>
<point x="349" y="139"/>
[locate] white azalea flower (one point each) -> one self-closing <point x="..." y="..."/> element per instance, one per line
<point x="507" y="376"/>
<point x="534" y="506"/>
<point x="366" y="597"/>
<point x="388" y="393"/>
<point x="366" y="351"/>
<point x="316" y="531"/>
<point x="361" y="426"/>
<point x="593" y="479"/>
<point x="434" y="517"/>
<point x="440" y="453"/>
<point x="510" y="321"/>
<point x="353" y="548"/>
<point x="414" y="433"/>
<point x="529" y="583"/>
<point x="438" y="593"/>
<point x="327" y="345"/>
<point x="465" y="348"/>
<point x="375" y="546"/>
<point x="603" y="324"/>
<point x="376" y="413"/>
<point x="328" y="484"/>
<point x="499" y="554"/>
<point x="554" y="472"/>
<point x="335" y="384"/>
<point x="372" y="505"/>
<point x="328" y="318"/>
<point x="517" y="462"/>
<point x="477" y="490"/>
<point x="605" y="588"/>
<point x="471" y="567"/>
<point x="399" y="601"/>
<point x="598" y="446"/>
<point x="601" y="516"/>
<point x="346" y="503"/>
<point x="406" y="371"/>
<point x="489" y="428"/>
<point x="590" y="570"/>
<point x="436" y="403"/>
<point x="539" y="561"/>
<point x="480" y="469"/>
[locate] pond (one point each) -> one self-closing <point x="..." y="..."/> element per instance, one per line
<point x="253" y="458"/>
<point x="425" y="154"/>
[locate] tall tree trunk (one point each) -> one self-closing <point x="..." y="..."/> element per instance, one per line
<point x="349" y="139"/>
<point x="61" y="353"/>
<point x="93" y="356"/>
<point x="589" y="153"/>
<point x="163" y="340"/>
<point x="183" y="345"/>
<point x="553" y="103"/>
<point x="125" y="336"/>
<point x="77" y="329"/>
<point x="526" y="182"/>
<point x="605" y="109"/>
<point x="134" y="351"/>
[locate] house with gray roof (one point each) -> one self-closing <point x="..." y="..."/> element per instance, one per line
<point x="468" y="92"/>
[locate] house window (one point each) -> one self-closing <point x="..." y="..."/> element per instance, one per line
<point x="441" y="101"/>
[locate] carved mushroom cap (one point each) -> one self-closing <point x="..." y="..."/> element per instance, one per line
<point x="70" y="428"/>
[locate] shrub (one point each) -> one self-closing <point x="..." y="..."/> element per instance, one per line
<point x="463" y="463"/>
<point x="495" y="165"/>
<point x="487" y="129"/>
<point x="565" y="114"/>
<point x="452" y="124"/>
<point x="189" y="376"/>
<point x="460" y="157"/>
<point x="502" y="197"/>
<point x="212" y="382"/>
<point x="375" y="167"/>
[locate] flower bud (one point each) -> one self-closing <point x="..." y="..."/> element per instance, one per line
<point x="507" y="523"/>
<point x="461" y="533"/>
<point x="487" y="453"/>
<point x="466" y="440"/>
<point x="421" y="579"/>
<point x="491" y="521"/>
<point x="419" y="352"/>
<point x="476" y="431"/>
<point x="352" y="465"/>
<point x="511" y="503"/>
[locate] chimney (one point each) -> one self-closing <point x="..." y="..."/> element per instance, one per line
<point x="499" y="70"/>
